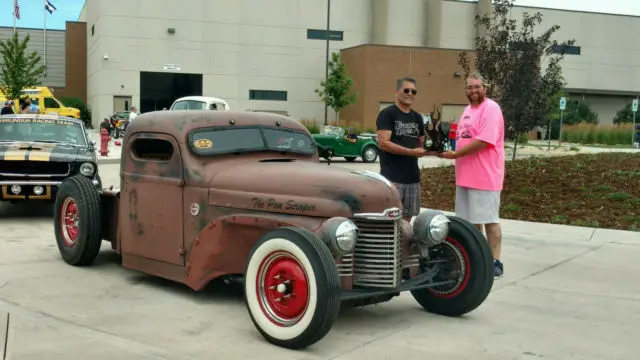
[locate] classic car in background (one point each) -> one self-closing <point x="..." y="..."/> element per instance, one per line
<point x="38" y="152"/>
<point x="341" y="142"/>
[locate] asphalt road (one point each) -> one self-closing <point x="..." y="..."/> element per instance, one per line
<point x="568" y="293"/>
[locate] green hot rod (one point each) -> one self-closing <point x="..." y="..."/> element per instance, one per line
<point x="336" y="141"/>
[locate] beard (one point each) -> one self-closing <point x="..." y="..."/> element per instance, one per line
<point x="475" y="98"/>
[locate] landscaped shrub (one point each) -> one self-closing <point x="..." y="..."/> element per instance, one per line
<point x="85" y="111"/>
<point x="594" y="134"/>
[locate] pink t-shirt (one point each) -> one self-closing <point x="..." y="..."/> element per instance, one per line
<point x="483" y="170"/>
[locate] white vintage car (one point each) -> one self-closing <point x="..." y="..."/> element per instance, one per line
<point x="200" y="103"/>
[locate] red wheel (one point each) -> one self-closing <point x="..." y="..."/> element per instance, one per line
<point x="292" y="288"/>
<point x="69" y="220"/>
<point x="77" y="221"/>
<point x="465" y="257"/>
<point x="283" y="288"/>
<point x="459" y="269"/>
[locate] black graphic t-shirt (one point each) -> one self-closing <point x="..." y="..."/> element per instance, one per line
<point x="406" y="128"/>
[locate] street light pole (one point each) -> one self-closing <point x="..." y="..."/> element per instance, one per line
<point x="326" y="63"/>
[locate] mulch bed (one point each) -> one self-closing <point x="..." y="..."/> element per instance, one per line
<point x="594" y="190"/>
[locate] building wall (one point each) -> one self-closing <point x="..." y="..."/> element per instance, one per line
<point x="76" y="60"/>
<point x="55" y="54"/>
<point x="375" y="69"/>
<point x="232" y="43"/>
<point x="240" y="45"/>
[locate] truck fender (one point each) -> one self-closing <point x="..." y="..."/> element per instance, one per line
<point x="223" y="246"/>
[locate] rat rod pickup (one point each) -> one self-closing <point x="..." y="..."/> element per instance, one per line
<point x="242" y="196"/>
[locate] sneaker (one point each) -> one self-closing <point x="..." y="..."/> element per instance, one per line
<point x="498" y="268"/>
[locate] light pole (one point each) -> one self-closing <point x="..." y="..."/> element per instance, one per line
<point x="326" y="62"/>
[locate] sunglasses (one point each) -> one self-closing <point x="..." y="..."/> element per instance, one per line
<point x="412" y="91"/>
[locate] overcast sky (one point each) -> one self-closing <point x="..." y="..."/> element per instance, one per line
<point x="629" y="7"/>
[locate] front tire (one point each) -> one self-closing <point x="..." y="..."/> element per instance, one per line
<point x="292" y="288"/>
<point x="470" y="265"/>
<point x="369" y="154"/>
<point x="77" y="221"/>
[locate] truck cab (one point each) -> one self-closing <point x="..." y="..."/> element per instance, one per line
<point x="42" y="96"/>
<point x="242" y="196"/>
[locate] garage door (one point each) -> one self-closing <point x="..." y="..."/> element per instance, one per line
<point x="452" y="112"/>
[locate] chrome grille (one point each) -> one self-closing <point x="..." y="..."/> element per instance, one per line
<point x="35" y="169"/>
<point x="377" y="255"/>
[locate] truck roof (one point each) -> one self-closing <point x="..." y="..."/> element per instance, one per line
<point x="180" y="123"/>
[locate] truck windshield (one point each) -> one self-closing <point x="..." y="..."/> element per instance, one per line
<point x="249" y="139"/>
<point x="35" y="128"/>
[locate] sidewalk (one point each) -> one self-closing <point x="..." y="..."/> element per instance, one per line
<point x="113" y="157"/>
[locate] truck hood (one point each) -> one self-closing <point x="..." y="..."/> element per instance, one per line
<point x="37" y="151"/>
<point x="301" y="188"/>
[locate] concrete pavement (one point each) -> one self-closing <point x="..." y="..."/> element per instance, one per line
<point x="568" y="292"/>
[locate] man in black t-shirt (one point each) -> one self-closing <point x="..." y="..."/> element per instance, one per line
<point x="401" y="137"/>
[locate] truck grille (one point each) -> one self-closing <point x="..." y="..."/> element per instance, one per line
<point x="34" y="169"/>
<point x="377" y="255"/>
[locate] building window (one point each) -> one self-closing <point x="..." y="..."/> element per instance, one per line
<point x="274" y="95"/>
<point x="568" y="50"/>
<point x="315" y="34"/>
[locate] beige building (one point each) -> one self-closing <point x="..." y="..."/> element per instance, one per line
<point x="270" y="55"/>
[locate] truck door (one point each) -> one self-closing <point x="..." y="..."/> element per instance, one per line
<point x="151" y="215"/>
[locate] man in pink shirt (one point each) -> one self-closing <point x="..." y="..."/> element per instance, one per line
<point x="480" y="161"/>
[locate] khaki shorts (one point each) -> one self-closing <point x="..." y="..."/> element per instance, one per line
<point x="478" y="206"/>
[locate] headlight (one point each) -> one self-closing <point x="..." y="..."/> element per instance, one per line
<point x="345" y="236"/>
<point x="431" y="227"/>
<point x="87" y="169"/>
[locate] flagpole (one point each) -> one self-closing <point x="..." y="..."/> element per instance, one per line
<point x="15" y="2"/>
<point x="44" y="9"/>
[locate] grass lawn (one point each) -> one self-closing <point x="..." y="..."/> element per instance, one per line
<point x="594" y="190"/>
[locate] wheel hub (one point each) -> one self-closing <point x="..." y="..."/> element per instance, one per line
<point x="69" y="222"/>
<point x="455" y="267"/>
<point x="283" y="289"/>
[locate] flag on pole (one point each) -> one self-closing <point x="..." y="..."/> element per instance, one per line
<point x="16" y="9"/>
<point x="49" y="6"/>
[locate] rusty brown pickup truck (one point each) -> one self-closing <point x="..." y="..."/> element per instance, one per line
<point x="243" y="196"/>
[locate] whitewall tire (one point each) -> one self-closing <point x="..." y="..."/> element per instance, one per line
<point x="292" y="288"/>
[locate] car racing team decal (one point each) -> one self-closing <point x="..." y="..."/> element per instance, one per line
<point x="203" y="144"/>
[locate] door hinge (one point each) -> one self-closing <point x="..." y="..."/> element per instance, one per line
<point x="182" y="251"/>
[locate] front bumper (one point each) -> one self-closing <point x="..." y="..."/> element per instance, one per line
<point x="26" y="189"/>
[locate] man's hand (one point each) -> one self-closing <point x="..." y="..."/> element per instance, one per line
<point x="420" y="152"/>
<point x="448" y="155"/>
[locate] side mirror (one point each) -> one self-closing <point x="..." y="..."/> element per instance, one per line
<point x="93" y="143"/>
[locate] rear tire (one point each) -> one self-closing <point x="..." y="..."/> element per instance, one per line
<point x="369" y="154"/>
<point x="472" y="257"/>
<point x="292" y="288"/>
<point x="77" y="221"/>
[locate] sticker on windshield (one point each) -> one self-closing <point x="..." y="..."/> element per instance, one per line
<point x="203" y="144"/>
<point x="36" y="121"/>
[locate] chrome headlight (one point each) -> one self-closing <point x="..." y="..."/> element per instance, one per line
<point x="87" y="169"/>
<point x="431" y="227"/>
<point x="345" y="236"/>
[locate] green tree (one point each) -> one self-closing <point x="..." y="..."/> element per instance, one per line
<point x="335" y="91"/>
<point x="625" y="115"/>
<point x="510" y="57"/>
<point x="19" y="69"/>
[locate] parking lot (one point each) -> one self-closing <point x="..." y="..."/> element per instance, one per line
<point x="568" y="293"/>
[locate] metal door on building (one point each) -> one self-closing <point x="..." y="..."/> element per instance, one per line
<point x="121" y="103"/>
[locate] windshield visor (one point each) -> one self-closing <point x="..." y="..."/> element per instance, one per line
<point x="250" y="139"/>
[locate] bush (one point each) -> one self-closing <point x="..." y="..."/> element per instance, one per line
<point x="594" y="134"/>
<point x="85" y="111"/>
<point x="311" y="125"/>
